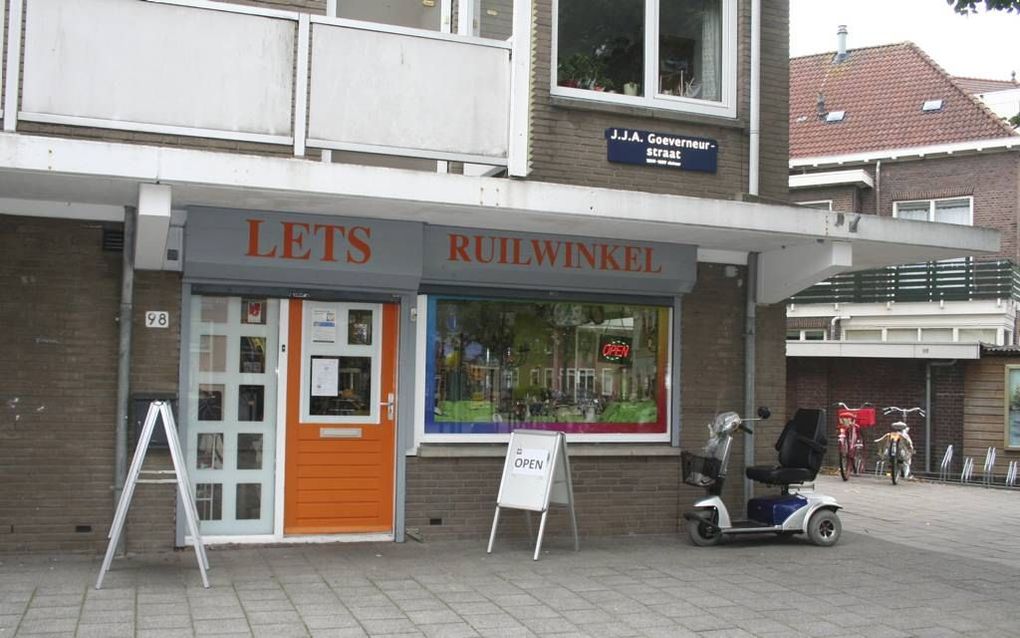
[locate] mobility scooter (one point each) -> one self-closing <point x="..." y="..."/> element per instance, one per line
<point x="801" y="448"/>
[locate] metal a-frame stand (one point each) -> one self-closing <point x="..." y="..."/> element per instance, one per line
<point x="157" y="409"/>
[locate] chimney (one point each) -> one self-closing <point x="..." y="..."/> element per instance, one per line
<point x="841" y="44"/>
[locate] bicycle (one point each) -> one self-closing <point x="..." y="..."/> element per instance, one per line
<point x="849" y="422"/>
<point x="899" y="447"/>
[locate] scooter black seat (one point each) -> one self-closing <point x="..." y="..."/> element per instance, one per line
<point x="801" y="448"/>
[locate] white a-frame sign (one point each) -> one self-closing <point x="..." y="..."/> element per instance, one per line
<point x="161" y="410"/>
<point x="536" y="474"/>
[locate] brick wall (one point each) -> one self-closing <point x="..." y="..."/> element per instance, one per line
<point x="155" y="359"/>
<point x="568" y="144"/>
<point x="57" y="439"/>
<point x="846" y="199"/>
<point x="625" y="494"/>
<point x="820" y="382"/>
<point x="59" y="364"/>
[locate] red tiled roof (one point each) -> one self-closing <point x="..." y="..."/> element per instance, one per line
<point x="881" y="89"/>
<point x="976" y="86"/>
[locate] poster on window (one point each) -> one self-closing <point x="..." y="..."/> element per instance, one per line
<point x="325" y="377"/>
<point x="323" y="325"/>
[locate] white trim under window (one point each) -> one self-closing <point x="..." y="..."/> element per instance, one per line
<point x="935" y="205"/>
<point x="725" y="107"/>
<point x="820" y="204"/>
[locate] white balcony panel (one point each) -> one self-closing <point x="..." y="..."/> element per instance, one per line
<point x="147" y="66"/>
<point x="404" y="94"/>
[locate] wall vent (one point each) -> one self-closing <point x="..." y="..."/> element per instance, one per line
<point x="113" y="239"/>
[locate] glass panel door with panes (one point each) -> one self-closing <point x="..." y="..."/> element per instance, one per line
<point x="231" y="438"/>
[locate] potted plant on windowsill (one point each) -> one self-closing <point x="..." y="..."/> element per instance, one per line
<point x="581" y="71"/>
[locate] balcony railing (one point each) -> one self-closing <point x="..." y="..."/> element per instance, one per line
<point x="234" y="72"/>
<point x="955" y="280"/>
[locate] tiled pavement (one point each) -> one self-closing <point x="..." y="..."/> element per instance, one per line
<point x="867" y="585"/>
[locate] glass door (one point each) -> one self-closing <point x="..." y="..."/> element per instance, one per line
<point x="231" y="438"/>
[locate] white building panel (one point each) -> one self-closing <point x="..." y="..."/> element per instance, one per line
<point x="407" y="94"/>
<point x="148" y="66"/>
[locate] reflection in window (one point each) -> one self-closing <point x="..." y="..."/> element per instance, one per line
<point x="209" y="451"/>
<point x="592" y="367"/>
<point x="215" y="309"/>
<point x="212" y="353"/>
<point x="690" y="48"/>
<point x="209" y="500"/>
<point x="249" y="451"/>
<point x="601" y="47"/>
<point x="250" y="402"/>
<point x="210" y="402"/>
<point x="1013" y="402"/>
<point x="253" y="355"/>
<point x="353" y="394"/>
<point x="359" y="327"/>
<point x="249" y="501"/>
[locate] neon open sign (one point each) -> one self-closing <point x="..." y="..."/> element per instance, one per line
<point x="614" y="350"/>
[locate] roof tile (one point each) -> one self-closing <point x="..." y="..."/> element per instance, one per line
<point x="881" y="89"/>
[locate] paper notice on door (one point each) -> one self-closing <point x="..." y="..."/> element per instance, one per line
<point x="323" y="325"/>
<point x="325" y="377"/>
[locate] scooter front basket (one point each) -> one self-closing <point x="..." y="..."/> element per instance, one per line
<point x="700" y="471"/>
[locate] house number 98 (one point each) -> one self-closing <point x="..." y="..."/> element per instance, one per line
<point x="157" y="319"/>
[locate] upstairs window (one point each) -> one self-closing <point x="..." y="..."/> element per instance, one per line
<point x="670" y="54"/>
<point x="955" y="210"/>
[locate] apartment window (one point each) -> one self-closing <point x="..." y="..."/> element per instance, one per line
<point x="806" y="335"/>
<point x="1012" y="406"/>
<point x="670" y="54"/>
<point x="954" y="210"/>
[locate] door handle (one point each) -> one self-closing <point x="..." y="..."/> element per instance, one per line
<point x="391" y="405"/>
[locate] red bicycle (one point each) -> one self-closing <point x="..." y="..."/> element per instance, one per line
<point x="849" y="422"/>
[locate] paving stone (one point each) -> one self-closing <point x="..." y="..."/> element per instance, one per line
<point x="106" y="630"/>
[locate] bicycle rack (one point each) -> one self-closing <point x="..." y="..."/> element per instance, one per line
<point x="947" y="461"/>
<point x="968" y="470"/>
<point x="989" y="467"/>
<point x="1011" y="474"/>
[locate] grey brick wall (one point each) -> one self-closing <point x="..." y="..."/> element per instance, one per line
<point x="60" y="365"/>
<point x="57" y="439"/>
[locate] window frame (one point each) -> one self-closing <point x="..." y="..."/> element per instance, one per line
<point x="1005" y="402"/>
<point x="427" y="438"/>
<point x="725" y="107"/>
<point x="813" y="204"/>
<point x="931" y="207"/>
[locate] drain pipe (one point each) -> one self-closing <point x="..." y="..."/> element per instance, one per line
<point x="127" y="283"/>
<point x="927" y="407"/>
<point x="750" y="334"/>
<point x="755" y="132"/>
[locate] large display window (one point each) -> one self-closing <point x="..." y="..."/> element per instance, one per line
<point x="495" y="365"/>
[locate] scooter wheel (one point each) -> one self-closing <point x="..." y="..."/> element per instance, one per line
<point x="702" y="534"/>
<point x="824" y="528"/>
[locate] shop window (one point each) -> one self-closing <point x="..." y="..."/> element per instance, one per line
<point x="1013" y="406"/>
<point x="249" y="451"/>
<point x="594" y="368"/>
<point x="248" y="503"/>
<point x="209" y="501"/>
<point x="601" y="52"/>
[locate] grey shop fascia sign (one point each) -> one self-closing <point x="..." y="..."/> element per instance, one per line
<point x="661" y="150"/>
<point x="472" y="257"/>
<point x="306" y="250"/>
<point x="351" y="253"/>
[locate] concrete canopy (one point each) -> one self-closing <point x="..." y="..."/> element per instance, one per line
<point x="799" y="246"/>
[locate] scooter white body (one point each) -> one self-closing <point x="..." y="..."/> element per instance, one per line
<point x="796" y="522"/>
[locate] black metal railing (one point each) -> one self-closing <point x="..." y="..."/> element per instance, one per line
<point x="953" y="280"/>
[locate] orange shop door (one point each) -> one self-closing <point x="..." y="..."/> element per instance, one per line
<point x="341" y="407"/>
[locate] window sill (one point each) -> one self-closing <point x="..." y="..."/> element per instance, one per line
<point x="498" y="450"/>
<point x="579" y="104"/>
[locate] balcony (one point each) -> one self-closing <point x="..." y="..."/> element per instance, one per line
<point x="955" y="280"/>
<point x="279" y="78"/>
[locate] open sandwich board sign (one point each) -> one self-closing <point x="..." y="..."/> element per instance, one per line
<point x="536" y="474"/>
<point x="158" y="410"/>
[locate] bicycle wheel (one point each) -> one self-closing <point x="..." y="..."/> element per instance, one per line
<point x="844" y="458"/>
<point x="894" y="458"/>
